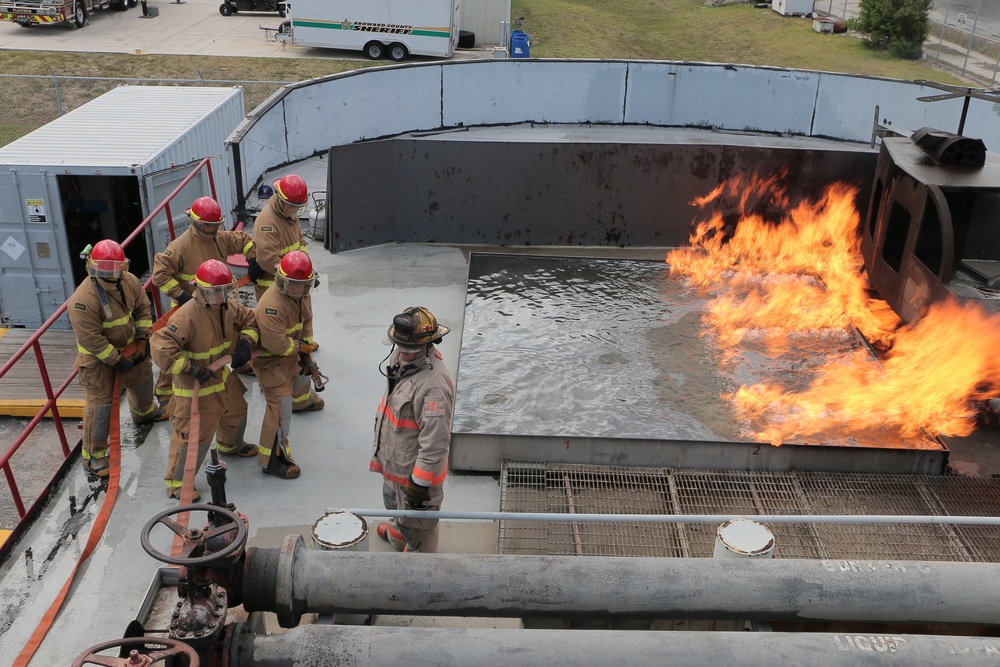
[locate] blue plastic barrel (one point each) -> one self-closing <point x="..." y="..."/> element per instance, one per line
<point x="520" y="45"/>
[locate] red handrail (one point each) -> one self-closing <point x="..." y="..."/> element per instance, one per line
<point x="53" y="396"/>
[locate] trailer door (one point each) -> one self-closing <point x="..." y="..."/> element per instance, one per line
<point x="35" y="274"/>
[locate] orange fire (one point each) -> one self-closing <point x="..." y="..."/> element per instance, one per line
<point x="787" y="280"/>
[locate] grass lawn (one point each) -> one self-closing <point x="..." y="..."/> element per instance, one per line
<point x="642" y="29"/>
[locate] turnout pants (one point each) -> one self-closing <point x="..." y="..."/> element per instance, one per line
<point x="421" y="534"/>
<point x="222" y="414"/>
<point x="98" y="381"/>
<point x="285" y="391"/>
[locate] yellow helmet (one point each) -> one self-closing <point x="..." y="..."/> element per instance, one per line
<point x="416" y="326"/>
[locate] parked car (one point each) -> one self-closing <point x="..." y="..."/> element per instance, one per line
<point x="230" y="7"/>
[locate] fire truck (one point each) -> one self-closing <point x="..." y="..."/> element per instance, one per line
<point x="27" y="13"/>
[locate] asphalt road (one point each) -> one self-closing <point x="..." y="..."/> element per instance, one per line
<point x="192" y="27"/>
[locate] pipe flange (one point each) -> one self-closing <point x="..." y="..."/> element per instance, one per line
<point x="287" y="608"/>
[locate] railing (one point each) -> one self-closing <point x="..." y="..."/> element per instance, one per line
<point x="52" y="396"/>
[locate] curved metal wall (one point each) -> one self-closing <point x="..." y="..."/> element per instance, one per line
<point x="307" y="118"/>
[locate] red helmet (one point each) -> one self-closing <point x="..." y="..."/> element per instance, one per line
<point x="106" y="260"/>
<point x="292" y="190"/>
<point x="206" y="215"/>
<point x="295" y="274"/>
<point x="213" y="282"/>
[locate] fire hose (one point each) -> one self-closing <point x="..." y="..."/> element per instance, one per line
<point x="96" y="531"/>
<point x="311" y="368"/>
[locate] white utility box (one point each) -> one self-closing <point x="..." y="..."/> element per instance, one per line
<point x="793" y="7"/>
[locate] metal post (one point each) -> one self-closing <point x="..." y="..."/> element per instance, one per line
<point x="55" y="82"/>
<point x="947" y="10"/>
<point x="476" y="647"/>
<point x="996" y="66"/>
<point x="972" y="36"/>
<point x="293" y="580"/>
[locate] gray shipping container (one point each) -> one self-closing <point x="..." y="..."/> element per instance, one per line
<point x="96" y="173"/>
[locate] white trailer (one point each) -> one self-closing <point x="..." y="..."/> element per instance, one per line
<point x="396" y="28"/>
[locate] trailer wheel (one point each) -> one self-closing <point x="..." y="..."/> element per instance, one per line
<point x="282" y="9"/>
<point x="466" y="39"/>
<point x="398" y="52"/>
<point x="285" y="28"/>
<point x="119" y="6"/>
<point x="131" y="3"/>
<point x="374" y="50"/>
<point x="226" y="9"/>
<point x="79" y="15"/>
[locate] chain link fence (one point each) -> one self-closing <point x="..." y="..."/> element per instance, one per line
<point x="28" y="102"/>
<point x="964" y="35"/>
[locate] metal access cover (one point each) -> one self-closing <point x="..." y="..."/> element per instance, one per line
<point x="584" y="360"/>
<point x="585" y="489"/>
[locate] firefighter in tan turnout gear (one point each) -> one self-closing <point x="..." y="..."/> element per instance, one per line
<point x="174" y="268"/>
<point x="413" y="429"/>
<point x="207" y="327"/>
<point x="109" y="311"/>
<point x="284" y="319"/>
<point x="277" y="231"/>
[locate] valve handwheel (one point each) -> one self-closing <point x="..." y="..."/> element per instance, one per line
<point x="171" y="648"/>
<point x="195" y="538"/>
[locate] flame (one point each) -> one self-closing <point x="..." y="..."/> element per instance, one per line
<point x="802" y="275"/>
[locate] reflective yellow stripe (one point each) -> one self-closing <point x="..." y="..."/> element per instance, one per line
<point x="214" y="351"/>
<point x="186" y="277"/>
<point x="297" y="327"/>
<point x="251" y="334"/>
<point x="303" y="398"/>
<point x="265" y="283"/>
<point x="247" y="248"/>
<point x="102" y="355"/>
<point x="205" y="391"/>
<point x="143" y="324"/>
<point x="296" y="246"/>
<point x="117" y="323"/>
<point x="263" y="450"/>
<point x="169" y="285"/>
<point x="177" y="367"/>
<point x="289" y="349"/>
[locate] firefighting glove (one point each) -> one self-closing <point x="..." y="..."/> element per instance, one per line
<point x="241" y="355"/>
<point x="123" y="365"/>
<point x="254" y="272"/>
<point x="199" y="373"/>
<point x="307" y="348"/>
<point x="418" y="497"/>
<point x="182" y="297"/>
<point x="141" y="351"/>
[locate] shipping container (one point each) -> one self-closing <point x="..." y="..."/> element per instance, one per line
<point x="96" y="173"/>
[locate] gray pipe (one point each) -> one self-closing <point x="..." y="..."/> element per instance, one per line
<point x="348" y="646"/>
<point x="294" y="580"/>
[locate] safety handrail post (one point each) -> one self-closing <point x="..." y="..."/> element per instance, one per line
<point x="18" y="503"/>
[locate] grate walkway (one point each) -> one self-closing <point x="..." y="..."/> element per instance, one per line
<point x="588" y="489"/>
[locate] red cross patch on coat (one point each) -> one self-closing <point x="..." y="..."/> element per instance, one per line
<point x="432" y="408"/>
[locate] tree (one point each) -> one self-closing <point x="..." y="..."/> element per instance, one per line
<point x="897" y="26"/>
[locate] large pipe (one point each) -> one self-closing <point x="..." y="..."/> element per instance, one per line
<point x="294" y="580"/>
<point x="349" y="646"/>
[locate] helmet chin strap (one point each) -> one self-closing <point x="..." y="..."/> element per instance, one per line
<point x="398" y="371"/>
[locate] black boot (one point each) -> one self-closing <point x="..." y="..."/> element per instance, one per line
<point x="281" y="465"/>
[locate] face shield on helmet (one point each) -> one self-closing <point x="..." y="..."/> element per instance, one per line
<point x="106" y="260"/>
<point x="295" y="275"/>
<point x="213" y="283"/>
<point x="206" y="215"/>
<point x="292" y="192"/>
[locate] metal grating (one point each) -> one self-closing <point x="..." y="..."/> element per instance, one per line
<point x="588" y="489"/>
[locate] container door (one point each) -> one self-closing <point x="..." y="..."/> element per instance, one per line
<point x="156" y="187"/>
<point x="33" y="252"/>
